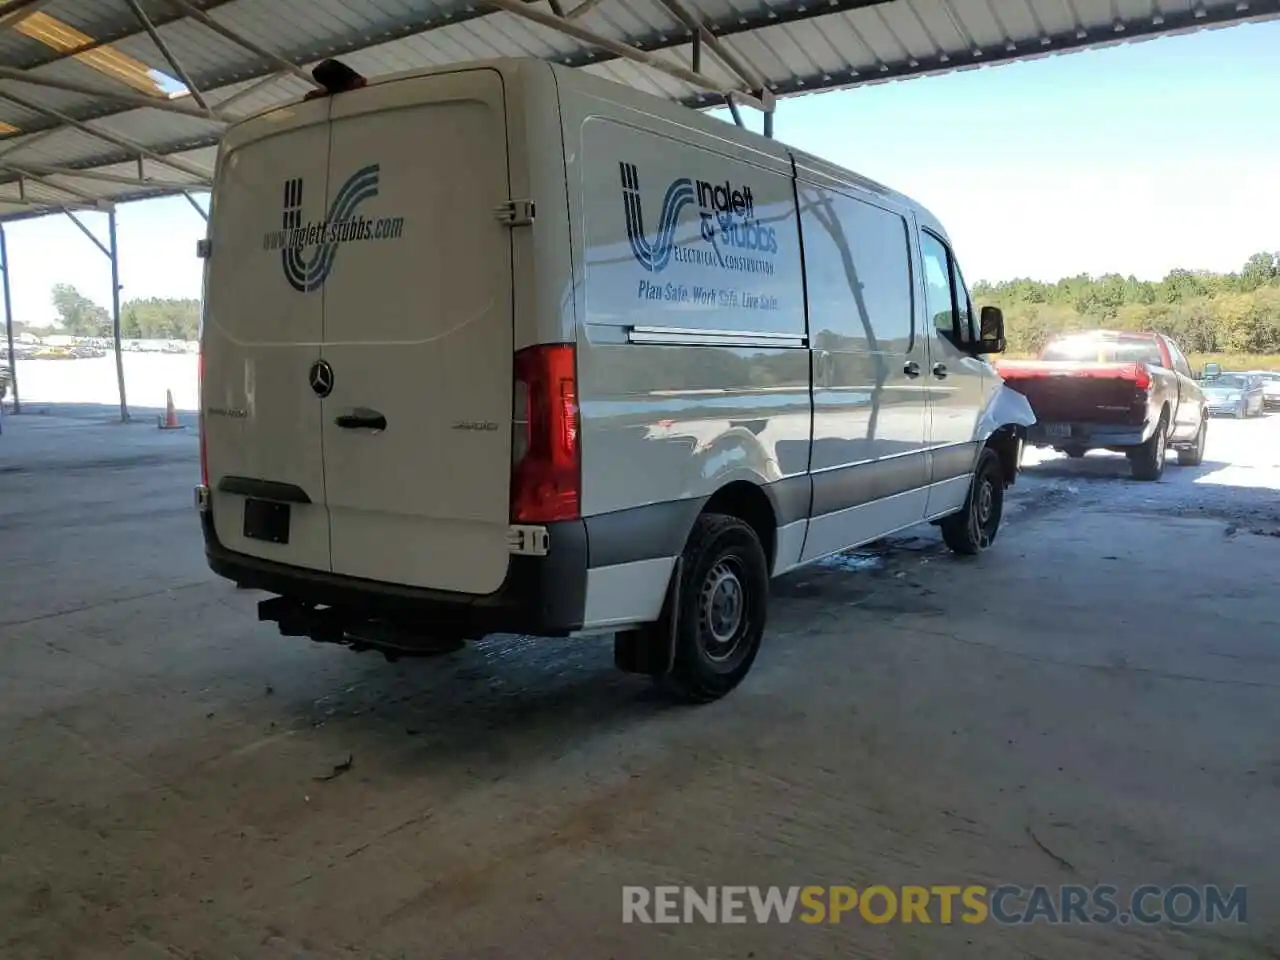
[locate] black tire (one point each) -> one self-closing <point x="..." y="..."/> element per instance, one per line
<point x="1075" y="453"/>
<point x="1194" y="456"/>
<point x="723" y="602"/>
<point x="1147" y="461"/>
<point x="974" y="527"/>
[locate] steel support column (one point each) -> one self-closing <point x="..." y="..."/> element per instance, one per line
<point x="8" y="321"/>
<point x="111" y="250"/>
<point x="115" y="312"/>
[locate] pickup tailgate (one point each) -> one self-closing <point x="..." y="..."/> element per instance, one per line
<point x="1072" y="392"/>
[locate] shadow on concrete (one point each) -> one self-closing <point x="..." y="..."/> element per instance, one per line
<point x="496" y="705"/>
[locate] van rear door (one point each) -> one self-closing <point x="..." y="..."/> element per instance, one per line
<point x="418" y="332"/>
<point x="260" y="338"/>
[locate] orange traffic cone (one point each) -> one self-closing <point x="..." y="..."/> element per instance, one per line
<point x="170" y="419"/>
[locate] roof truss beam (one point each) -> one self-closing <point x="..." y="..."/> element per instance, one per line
<point x="174" y="163"/>
<point x="571" y="28"/>
<point x="195" y="13"/>
<point x="165" y="52"/>
<point x="34" y="170"/>
<point x="120" y="96"/>
<point x="79" y="195"/>
<point x="746" y="72"/>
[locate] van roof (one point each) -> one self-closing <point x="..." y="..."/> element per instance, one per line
<point x="574" y="77"/>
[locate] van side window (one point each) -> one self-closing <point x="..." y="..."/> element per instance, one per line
<point x="858" y="268"/>
<point x="946" y="304"/>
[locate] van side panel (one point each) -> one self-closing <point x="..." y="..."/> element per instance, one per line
<point x="543" y="251"/>
<point x="693" y="367"/>
<point x="870" y="388"/>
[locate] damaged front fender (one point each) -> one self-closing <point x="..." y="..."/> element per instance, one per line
<point x="1003" y="427"/>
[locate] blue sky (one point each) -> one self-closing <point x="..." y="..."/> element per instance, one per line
<point x="1134" y="159"/>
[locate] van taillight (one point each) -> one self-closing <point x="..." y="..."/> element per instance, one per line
<point x="545" y="453"/>
<point x="204" y="456"/>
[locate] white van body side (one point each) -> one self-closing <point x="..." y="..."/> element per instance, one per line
<point x="750" y="331"/>
<point x="693" y="367"/>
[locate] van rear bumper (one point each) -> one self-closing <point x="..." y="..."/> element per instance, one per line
<point x="544" y="596"/>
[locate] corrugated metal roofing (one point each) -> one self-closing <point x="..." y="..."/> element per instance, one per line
<point x="83" y="83"/>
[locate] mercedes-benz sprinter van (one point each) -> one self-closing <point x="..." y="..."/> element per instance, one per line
<point x="505" y="347"/>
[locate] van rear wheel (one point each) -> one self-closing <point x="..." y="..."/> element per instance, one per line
<point x="722" y="602"/>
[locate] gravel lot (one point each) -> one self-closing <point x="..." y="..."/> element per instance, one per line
<point x="1093" y="701"/>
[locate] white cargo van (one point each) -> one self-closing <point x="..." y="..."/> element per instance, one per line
<point x="505" y="347"/>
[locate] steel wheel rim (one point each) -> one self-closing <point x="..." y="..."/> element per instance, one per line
<point x="985" y="509"/>
<point x="722" y="611"/>
<point x="985" y="503"/>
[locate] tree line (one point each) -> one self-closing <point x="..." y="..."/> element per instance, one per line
<point x="1236" y="313"/>
<point x="1205" y="312"/>
<point x="149" y="318"/>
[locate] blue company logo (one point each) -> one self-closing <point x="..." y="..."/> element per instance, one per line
<point x="340" y="225"/>
<point x="728" y="223"/>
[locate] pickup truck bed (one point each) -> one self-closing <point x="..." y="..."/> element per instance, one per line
<point x="1084" y="405"/>
<point x="1113" y="391"/>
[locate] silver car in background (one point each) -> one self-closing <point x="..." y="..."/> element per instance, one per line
<point x="1234" y="394"/>
<point x="1270" y="387"/>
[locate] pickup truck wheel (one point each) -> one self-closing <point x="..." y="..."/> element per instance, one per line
<point x="974" y="527"/>
<point x="1075" y="453"/>
<point x="1147" y="461"/>
<point x="722" y="603"/>
<point x="1193" y="456"/>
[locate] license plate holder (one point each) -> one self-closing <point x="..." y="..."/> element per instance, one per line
<point x="266" y="520"/>
<point x="1057" y="430"/>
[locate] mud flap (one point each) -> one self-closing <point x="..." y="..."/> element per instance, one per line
<point x="651" y="649"/>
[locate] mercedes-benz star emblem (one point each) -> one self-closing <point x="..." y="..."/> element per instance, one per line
<point x="321" y="378"/>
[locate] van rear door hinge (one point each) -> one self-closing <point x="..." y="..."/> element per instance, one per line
<point x="516" y="213"/>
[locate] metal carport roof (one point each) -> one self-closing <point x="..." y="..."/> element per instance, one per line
<point x="103" y="101"/>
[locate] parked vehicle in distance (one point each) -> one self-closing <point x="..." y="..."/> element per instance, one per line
<point x="565" y="369"/>
<point x="53" y="353"/>
<point x="1238" y="395"/>
<point x="1129" y="392"/>
<point x="1270" y="388"/>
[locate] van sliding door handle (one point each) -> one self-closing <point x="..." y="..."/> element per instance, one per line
<point x="940" y="371"/>
<point x="911" y="368"/>
<point x="367" y="420"/>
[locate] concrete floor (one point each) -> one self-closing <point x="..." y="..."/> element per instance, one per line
<point x="1093" y="701"/>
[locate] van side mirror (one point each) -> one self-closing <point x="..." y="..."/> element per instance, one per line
<point x="990" y="331"/>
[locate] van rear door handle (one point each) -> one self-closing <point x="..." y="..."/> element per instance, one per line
<point x="911" y="368"/>
<point x="364" y="420"/>
<point x="940" y="371"/>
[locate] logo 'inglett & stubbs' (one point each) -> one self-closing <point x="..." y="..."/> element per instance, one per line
<point x="728" y="226"/>
<point x="341" y="224"/>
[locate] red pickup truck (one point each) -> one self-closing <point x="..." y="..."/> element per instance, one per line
<point x="1102" y="390"/>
